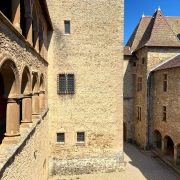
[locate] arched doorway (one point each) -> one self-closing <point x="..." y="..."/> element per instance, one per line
<point x="169" y="148"/>
<point x="9" y="99"/>
<point x="35" y="97"/>
<point x="26" y="91"/>
<point x="157" y="140"/>
<point x="2" y="110"/>
<point x="178" y="155"/>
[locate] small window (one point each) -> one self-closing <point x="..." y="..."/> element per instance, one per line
<point x="139" y="113"/>
<point x="67" y="27"/>
<point x="80" y="137"/>
<point x="65" y="84"/>
<point x="143" y="60"/>
<point x="165" y="82"/>
<point x="61" y="137"/>
<point x="139" y="85"/>
<point x="164" y="113"/>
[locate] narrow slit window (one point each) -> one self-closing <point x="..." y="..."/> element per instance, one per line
<point x="165" y="83"/>
<point x="67" y="27"/>
<point x="164" y="113"/>
<point x="139" y="113"/>
<point x="139" y="85"/>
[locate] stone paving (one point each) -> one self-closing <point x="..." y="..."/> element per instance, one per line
<point x="140" y="165"/>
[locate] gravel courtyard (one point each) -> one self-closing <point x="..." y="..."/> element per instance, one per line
<point x="140" y="165"/>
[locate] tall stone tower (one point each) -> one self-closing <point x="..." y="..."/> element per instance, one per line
<point x="86" y="86"/>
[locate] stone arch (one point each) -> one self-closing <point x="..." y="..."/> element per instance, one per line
<point x="35" y="97"/>
<point x="157" y="139"/>
<point x="42" y="93"/>
<point x="169" y="146"/>
<point x="26" y="81"/>
<point x="9" y="71"/>
<point x="178" y="154"/>
<point x="26" y="91"/>
<point x="9" y="98"/>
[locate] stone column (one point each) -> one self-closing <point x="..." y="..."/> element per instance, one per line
<point x="12" y="117"/>
<point x="42" y="100"/>
<point x="27" y="108"/>
<point x="175" y="155"/>
<point x="29" y="19"/>
<point x="164" y="146"/>
<point x="35" y="103"/>
<point x="16" y="14"/>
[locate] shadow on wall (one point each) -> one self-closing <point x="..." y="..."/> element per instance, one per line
<point x="128" y="100"/>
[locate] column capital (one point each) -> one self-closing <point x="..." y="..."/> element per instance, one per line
<point x="27" y="95"/>
<point x="14" y="98"/>
<point x="42" y="92"/>
<point x="35" y="93"/>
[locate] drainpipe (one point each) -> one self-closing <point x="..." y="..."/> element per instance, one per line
<point x="149" y="107"/>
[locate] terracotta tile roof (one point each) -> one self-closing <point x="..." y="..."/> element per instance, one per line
<point x="173" y="62"/>
<point x="156" y="30"/>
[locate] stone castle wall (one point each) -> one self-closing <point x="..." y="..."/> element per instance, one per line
<point x="27" y="157"/>
<point x="170" y="99"/>
<point x="152" y="57"/>
<point x="93" y="52"/>
<point x="128" y="100"/>
<point x="30" y="161"/>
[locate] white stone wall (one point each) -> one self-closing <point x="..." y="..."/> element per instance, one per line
<point x="93" y="52"/>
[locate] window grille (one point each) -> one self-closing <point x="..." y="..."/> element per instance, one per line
<point x="80" y="136"/>
<point x="61" y="137"/>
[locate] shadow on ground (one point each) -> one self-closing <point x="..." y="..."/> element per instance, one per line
<point x="151" y="167"/>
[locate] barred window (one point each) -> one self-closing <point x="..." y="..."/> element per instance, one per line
<point x="165" y="83"/>
<point x="61" y="137"/>
<point x="65" y="84"/>
<point x="67" y="27"/>
<point x="139" y="84"/>
<point x="80" y="136"/>
<point x="164" y="113"/>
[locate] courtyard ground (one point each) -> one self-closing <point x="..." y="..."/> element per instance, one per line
<point x="140" y="165"/>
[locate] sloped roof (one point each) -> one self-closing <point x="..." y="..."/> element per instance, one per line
<point x="173" y="62"/>
<point x="156" y="30"/>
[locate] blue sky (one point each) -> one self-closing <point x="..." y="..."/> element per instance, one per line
<point x="135" y="8"/>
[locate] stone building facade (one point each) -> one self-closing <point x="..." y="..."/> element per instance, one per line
<point x="165" y="80"/>
<point x="154" y="41"/>
<point x="24" y="150"/>
<point x="61" y="87"/>
<point x="91" y="50"/>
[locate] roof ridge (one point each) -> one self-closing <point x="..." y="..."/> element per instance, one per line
<point x="132" y="37"/>
<point x="163" y="62"/>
